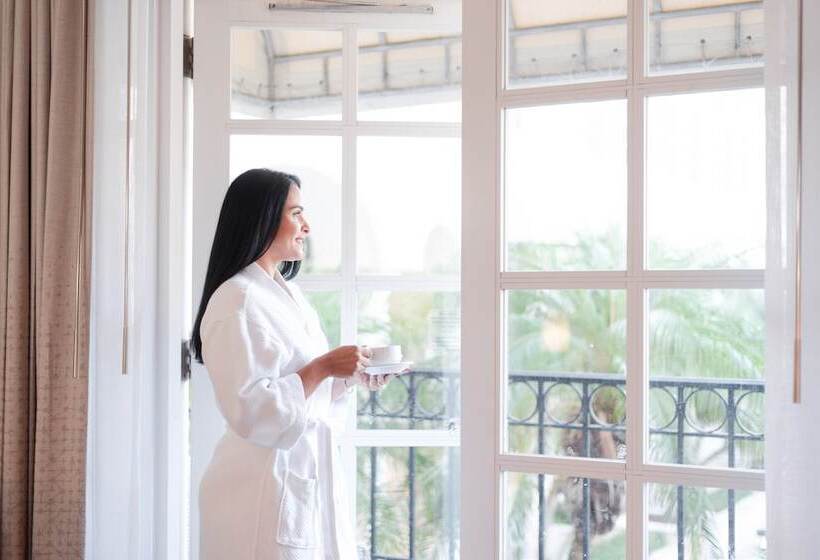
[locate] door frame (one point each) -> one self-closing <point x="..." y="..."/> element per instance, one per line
<point x="214" y="19"/>
<point x="485" y="98"/>
<point x="135" y="497"/>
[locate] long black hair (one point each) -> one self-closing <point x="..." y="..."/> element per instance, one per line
<point x="248" y="222"/>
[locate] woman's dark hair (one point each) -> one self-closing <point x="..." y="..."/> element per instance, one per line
<point x="248" y="222"/>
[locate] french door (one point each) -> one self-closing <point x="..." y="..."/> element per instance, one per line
<point x="612" y="295"/>
<point x="365" y="108"/>
<point x="577" y="269"/>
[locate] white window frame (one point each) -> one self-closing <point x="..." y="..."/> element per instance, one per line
<point x="485" y="98"/>
<point x="215" y="20"/>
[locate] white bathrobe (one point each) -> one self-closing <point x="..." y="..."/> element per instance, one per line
<point x="274" y="487"/>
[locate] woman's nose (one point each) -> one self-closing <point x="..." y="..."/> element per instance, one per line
<point x="305" y="226"/>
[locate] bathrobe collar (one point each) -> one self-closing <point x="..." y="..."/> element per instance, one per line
<point x="278" y="284"/>
<point x="256" y="270"/>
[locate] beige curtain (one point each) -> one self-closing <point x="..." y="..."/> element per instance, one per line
<point x="45" y="49"/>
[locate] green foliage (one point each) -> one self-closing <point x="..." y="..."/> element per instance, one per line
<point x="521" y="489"/>
<point x="328" y="306"/>
<point x="710" y="334"/>
<point x="594" y="322"/>
<point x="611" y="547"/>
<point x="709" y="257"/>
<point x="713" y="334"/>
<point x="426" y="325"/>
<point x="588" y="252"/>
<point x="700" y="508"/>
<point x="706" y="333"/>
<point x="435" y="503"/>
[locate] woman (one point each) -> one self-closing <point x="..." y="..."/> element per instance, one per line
<point x="273" y="489"/>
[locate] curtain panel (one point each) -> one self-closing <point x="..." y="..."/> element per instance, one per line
<point x="45" y="173"/>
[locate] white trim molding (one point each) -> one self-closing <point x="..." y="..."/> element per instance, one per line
<point x="480" y="437"/>
<point x="136" y="441"/>
<point x="792" y="448"/>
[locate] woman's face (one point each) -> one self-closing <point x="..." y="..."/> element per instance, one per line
<point x="289" y="243"/>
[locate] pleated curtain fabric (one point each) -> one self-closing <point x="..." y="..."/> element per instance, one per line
<point x="45" y="219"/>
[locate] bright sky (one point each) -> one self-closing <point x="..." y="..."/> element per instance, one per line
<point x="565" y="171"/>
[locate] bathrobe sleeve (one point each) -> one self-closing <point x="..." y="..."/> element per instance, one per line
<point x="340" y="407"/>
<point x="260" y="402"/>
<point x="339" y="391"/>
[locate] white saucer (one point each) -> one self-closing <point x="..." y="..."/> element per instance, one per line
<point x="384" y="369"/>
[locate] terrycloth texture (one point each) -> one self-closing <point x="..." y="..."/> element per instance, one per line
<point x="45" y="112"/>
<point x="272" y="490"/>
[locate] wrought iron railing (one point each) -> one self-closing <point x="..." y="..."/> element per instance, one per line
<point x="585" y="405"/>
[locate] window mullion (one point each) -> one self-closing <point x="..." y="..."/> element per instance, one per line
<point x="570" y="93"/>
<point x="289" y="127"/>
<point x="348" y="267"/>
<point x="409" y="129"/>
<point x="687" y="475"/>
<point x="350" y="69"/>
<point x="618" y="89"/>
<point x="635" y="414"/>
<point x="636" y="373"/>
<point x="605" y="469"/>
<point x="402" y="438"/>
<point x="635" y="35"/>
<point x="481" y="500"/>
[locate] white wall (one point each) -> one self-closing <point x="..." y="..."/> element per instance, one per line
<point x="135" y="444"/>
<point x="109" y="477"/>
<point x="119" y="488"/>
<point x="792" y="442"/>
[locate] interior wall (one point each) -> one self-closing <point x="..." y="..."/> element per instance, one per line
<point x="111" y="409"/>
<point x="130" y="496"/>
<point x="792" y="444"/>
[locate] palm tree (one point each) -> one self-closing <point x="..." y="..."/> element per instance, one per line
<point x="693" y="333"/>
<point x="426" y="325"/>
<point x="708" y="334"/>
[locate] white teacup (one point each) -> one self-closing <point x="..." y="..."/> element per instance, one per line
<point x="385" y="354"/>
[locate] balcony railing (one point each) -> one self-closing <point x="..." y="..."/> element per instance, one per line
<point x="725" y="423"/>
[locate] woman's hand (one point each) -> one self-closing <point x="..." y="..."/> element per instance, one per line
<point x="345" y="362"/>
<point x="377" y="382"/>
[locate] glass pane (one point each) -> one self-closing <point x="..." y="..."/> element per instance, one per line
<point x="409" y="205"/>
<point x="566" y="355"/>
<point x="565" y="187"/>
<point x="286" y="74"/>
<point x="412" y="493"/>
<point x="706" y="377"/>
<point x="702" y="35"/>
<point x="564" y="518"/>
<point x="317" y="161"/>
<point x="406" y="76"/>
<point x="329" y="308"/>
<point x="699" y="523"/>
<point x="706" y="180"/>
<point x="565" y="41"/>
<point x="427" y="326"/>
